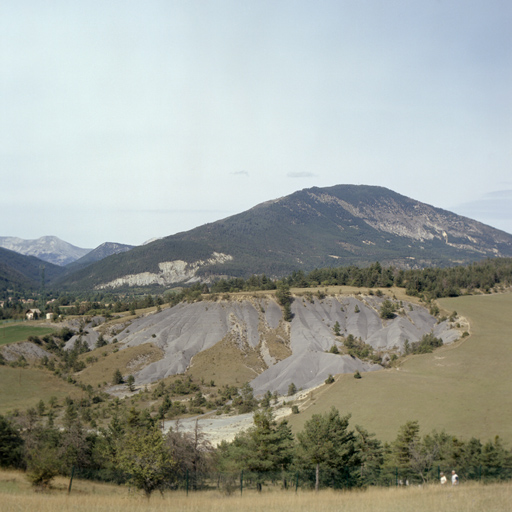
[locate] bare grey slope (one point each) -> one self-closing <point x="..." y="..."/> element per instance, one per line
<point x="188" y="329"/>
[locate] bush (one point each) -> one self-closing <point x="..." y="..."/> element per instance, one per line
<point x="427" y="344"/>
<point x="387" y="310"/>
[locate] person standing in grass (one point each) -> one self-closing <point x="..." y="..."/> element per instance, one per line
<point x="443" y="479"/>
<point x="455" y="478"/>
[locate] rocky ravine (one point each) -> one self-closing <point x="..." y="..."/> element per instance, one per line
<point x="286" y="352"/>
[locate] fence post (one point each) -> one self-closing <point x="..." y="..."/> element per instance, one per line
<point x="296" y="481"/>
<point x="187" y="482"/>
<point x="396" y="477"/>
<point x="241" y="482"/>
<point x="71" y="479"/>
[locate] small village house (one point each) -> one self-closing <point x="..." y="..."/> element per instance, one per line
<point x="33" y="314"/>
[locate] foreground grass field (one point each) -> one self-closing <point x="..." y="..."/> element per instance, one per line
<point x="17" y="496"/>
<point x="464" y="388"/>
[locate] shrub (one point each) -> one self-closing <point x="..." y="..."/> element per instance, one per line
<point x="427" y="344"/>
<point x="118" y="377"/>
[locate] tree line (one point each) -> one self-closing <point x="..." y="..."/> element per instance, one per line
<point x="428" y="283"/>
<point x="327" y="452"/>
<point x="432" y="283"/>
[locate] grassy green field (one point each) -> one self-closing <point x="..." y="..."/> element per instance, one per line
<point x="16" y="495"/>
<point x="11" y="333"/>
<point x="464" y="388"/>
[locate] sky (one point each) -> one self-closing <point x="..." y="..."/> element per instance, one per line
<point x="123" y="121"/>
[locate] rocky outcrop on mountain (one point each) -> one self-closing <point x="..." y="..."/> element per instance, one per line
<point x="398" y="215"/>
<point x="280" y="352"/>
<point x="170" y="272"/>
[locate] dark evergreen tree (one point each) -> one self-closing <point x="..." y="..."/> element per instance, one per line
<point x="327" y="444"/>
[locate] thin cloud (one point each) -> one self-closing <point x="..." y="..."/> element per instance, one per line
<point x="240" y="173"/>
<point x="492" y="205"/>
<point x="301" y="175"/>
<point x="166" y="211"/>
<point x="498" y="194"/>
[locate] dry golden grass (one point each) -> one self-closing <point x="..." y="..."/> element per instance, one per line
<point x="128" y="360"/>
<point x="224" y="363"/>
<point x="17" y="496"/>
<point x="21" y="388"/>
<point x="393" y="292"/>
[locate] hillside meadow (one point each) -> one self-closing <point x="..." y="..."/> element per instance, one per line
<point x="11" y="333"/>
<point x="16" y="495"/>
<point x="463" y="388"/>
<point x="22" y="388"/>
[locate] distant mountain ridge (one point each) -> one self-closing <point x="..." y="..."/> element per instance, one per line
<point x="25" y="272"/>
<point x="101" y="252"/>
<point x="46" y="248"/>
<point x="311" y="228"/>
<point x="20" y="271"/>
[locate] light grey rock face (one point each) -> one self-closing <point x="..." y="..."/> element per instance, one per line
<point x="170" y="272"/>
<point x="313" y="324"/>
<point x="26" y="349"/>
<point x="273" y="313"/>
<point x="187" y="329"/>
<point x="89" y="335"/>
<point x="312" y="335"/>
<point x="307" y="369"/>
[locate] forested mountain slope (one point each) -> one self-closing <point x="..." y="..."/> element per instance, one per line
<point x="24" y="272"/>
<point x="312" y="228"/>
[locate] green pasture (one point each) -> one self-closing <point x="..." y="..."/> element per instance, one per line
<point x="11" y="333"/>
<point x="464" y="388"/>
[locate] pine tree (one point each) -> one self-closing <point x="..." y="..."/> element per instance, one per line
<point x="328" y="444"/>
<point x="118" y="377"/>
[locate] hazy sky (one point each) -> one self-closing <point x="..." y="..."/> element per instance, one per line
<point x="126" y="120"/>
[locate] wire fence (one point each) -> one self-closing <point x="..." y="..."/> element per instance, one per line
<point x="304" y="479"/>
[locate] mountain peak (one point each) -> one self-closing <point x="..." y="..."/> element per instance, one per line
<point x="47" y="248"/>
